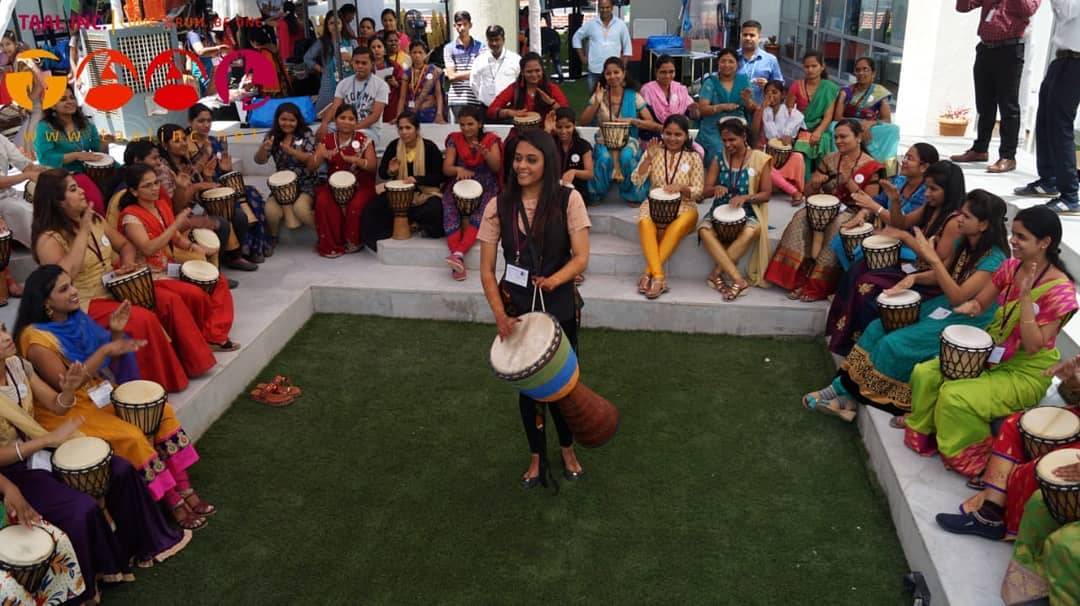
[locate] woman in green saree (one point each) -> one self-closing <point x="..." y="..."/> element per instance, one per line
<point x="815" y="96"/>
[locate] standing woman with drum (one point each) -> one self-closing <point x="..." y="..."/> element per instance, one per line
<point x="156" y="234"/>
<point x="544" y="231"/>
<point x="69" y="234"/>
<point x="802" y="263"/>
<point x="291" y="144"/>
<point x="348" y="152"/>
<point x="410" y="159"/>
<point x="741" y="182"/>
<point x="1037" y="296"/>
<point x="616" y="101"/>
<point x="672" y="168"/>
<point x="724" y="95"/>
<point x="66" y="139"/>
<point x="53" y="333"/>
<point x="471" y="154"/>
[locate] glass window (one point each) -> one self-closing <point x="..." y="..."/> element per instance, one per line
<point x="832" y="15"/>
<point x="860" y="15"/>
<point x="807" y="10"/>
<point x="888" y="65"/>
<point x="831" y="47"/>
<point x="807" y="41"/>
<point x="788" y="44"/>
<point x="790" y="10"/>
<point x="893" y="18"/>
<point x="852" y="51"/>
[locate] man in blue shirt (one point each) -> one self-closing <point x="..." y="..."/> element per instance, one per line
<point x="758" y="65"/>
<point x="607" y="37"/>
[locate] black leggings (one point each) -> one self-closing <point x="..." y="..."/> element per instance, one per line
<point x="537" y="437"/>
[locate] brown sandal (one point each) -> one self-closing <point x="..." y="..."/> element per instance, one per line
<point x="643" y="284"/>
<point x="657" y="287"/>
<point x="199" y="507"/>
<point x="284" y="384"/>
<point x="272" y="396"/>
<point x="189" y="520"/>
<point x="734" y="291"/>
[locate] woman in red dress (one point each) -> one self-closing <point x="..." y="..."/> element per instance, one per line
<point x="338" y="226"/>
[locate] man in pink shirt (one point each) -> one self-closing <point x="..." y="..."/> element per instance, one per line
<point x="999" y="63"/>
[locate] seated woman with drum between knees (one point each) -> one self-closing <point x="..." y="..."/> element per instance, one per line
<point x="149" y="224"/>
<point x="345" y="155"/>
<point x="291" y="144"/>
<point x="1037" y="296"/>
<point x="740" y="179"/>
<point x="53" y="333"/>
<point x="549" y="245"/>
<point x="31" y="536"/>
<point x="141" y="532"/>
<point x="409" y="159"/>
<point x="68" y="233"/>
<point x="471" y="155"/>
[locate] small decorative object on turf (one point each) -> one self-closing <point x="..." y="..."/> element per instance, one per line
<point x="279" y="392"/>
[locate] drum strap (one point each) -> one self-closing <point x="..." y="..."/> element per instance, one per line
<point x="532" y="249"/>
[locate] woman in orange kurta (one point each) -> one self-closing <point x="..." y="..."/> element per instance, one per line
<point x="148" y="222"/>
<point x="55" y="334"/>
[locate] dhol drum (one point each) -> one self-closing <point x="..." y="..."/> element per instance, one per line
<point x="616" y="134"/>
<point x="537" y="359"/>
<point x="5" y="249"/>
<point x="779" y="151"/>
<point x="728" y="222"/>
<point x="200" y="273"/>
<point x="852" y="237"/>
<point x="401" y="196"/>
<point x="26" y="554"/>
<point x="220" y="202"/>
<point x="342" y="186"/>
<point x="821" y="209"/>
<point x="140" y="403"/>
<point x="663" y="206"/>
<point x="83" y="464"/>
<point x="28" y="192"/>
<point x="101" y="171"/>
<point x="137" y="287"/>
<point x="899" y="310"/>
<point x="207" y="239"/>
<point x="1047" y="428"/>
<point x="235" y="180"/>
<point x="1062" y="497"/>
<point x="285" y="187"/>
<point x="468" y="193"/>
<point x="881" y="252"/>
<point x="964" y="351"/>
<point x="527" y="121"/>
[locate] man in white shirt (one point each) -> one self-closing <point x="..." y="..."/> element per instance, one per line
<point x="16" y="212"/>
<point x="607" y="37"/>
<point x="363" y="90"/>
<point x="496" y="68"/>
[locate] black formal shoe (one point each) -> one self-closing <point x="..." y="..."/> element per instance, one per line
<point x="240" y="264"/>
<point x="233" y="284"/>
<point x="972" y="523"/>
<point x="572" y="476"/>
<point x="530" y="483"/>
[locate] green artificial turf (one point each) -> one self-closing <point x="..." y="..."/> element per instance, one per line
<point x="394" y="480"/>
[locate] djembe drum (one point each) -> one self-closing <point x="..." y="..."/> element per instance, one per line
<point x="468" y="193"/>
<point x="852" y="237"/>
<point x="83" y="464"/>
<point x="401" y="194"/>
<point x="28" y="192"/>
<point x="964" y="351"/>
<point x="1047" y="428"/>
<point x="5" y="249"/>
<point x="663" y="206"/>
<point x="616" y="135"/>
<point x="1062" y="497"/>
<point x="881" y="252"/>
<point x="538" y="361"/>
<point x="140" y="403"/>
<point x="200" y="273"/>
<point x="779" y="151"/>
<point x="137" y="287"/>
<point x="285" y="187"/>
<point x="899" y="310"/>
<point x="821" y="209"/>
<point x="728" y="222"/>
<point x="235" y="180"/>
<point x="26" y="553"/>
<point x="207" y="239"/>
<point x="342" y="186"/>
<point x="220" y="202"/>
<point x="101" y="171"/>
<point x="527" y="121"/>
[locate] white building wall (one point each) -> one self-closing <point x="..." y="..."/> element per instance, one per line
<point x="485" y="13"/>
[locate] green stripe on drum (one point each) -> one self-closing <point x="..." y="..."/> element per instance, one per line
<point x="548" y="372"/>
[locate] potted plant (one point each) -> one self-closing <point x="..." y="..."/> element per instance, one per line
<point x="953" y="122"/>
<point x="772" y="46"/>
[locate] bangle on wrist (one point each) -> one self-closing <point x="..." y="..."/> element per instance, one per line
<point x="18" y="450"/>
<point x="60" y="402"/>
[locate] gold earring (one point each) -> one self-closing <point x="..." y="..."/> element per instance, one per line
<point x="48" y="312"/>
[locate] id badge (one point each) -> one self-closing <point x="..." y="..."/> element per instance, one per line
<point x="940" y="314"/>
<point x="100" y="394"/>
<point x="173" y="270"/>
<point x="517" y="275"/>
<point x="412" y="104"/>
<point x="41" y="459"/>
<point x="908" y="268"/>
<point x="996" y="355"/>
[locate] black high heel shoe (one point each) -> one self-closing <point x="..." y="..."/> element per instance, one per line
<point x="573" y="476"/>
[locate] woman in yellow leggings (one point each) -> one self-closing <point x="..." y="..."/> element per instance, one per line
<point x="673" y="165"/>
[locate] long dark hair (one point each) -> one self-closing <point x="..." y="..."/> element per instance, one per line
<point x="302" y="129"/>
<point x="568" y="113"/>
<point x="166" y="133"/>
<point x="628" y="80"/>
<point x="53" y="118"/>
<point x="1039" y="220"/>
<point x="49" y="213"/>
<point x="544" y="85"/>
<point x="194" y="111"/>
<point x="476" y="113"/>
<point x="950" y="178"/>
<point x="683" y="123"/>
<point x="326" y="39"/>
<point x="133" y="175"/>
<point x="985" y="206"/>
<point x="820" y="57"/>
<point x="548" y="212"/>
<point x="927" y="153"/>
<point x="36" y="292"/>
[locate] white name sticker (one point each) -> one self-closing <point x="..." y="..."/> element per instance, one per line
<point x="41" y="459"/>
<point x="172" y="270"/>
<point x="100" y="394"/>
<point x="996" y="355"/>
<point x="908" y="268"/>
<point x="105" y="241"/>
<point x="517" y="275"/>
<point x="575" y="158"/>
<point x="940" y="314"/>
<point x="750" y="171"/>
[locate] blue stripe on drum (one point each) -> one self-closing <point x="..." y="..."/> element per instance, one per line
<point x="557" y="382"/>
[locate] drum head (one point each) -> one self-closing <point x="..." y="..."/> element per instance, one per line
<point x="532" y="336"/>
<point x="1051" y="461"/>
<point x="658" y="193"/>
<point x="22" y="546"/>
<point x="398" y="185"/>
<point x="468" y="188"/>
<point x="344" y="178"/>
<point x="967" y="336"/>
<point x="281" y="178"/>
<point x="858" y="230"/>
<point x="823" y="200"/>
<point x="778" y="144"/>
<point x="904" y="297"/>
<point x="203" y="271"/>
<point x="206" y="238"/>
<point x="218" y="193"/>
<point x="728" y="214"/>
<point x="80" y="453"/>
<point x="879" y="242"/>
<point x="1050" y="422"/>
<point x="30" y="185"/>
<point x="102" y="161"/>
<point x="527" y="118"/>
<point x="112" y="277"/>
<point x="139" y="392"/>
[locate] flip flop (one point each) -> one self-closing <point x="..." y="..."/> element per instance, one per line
<point x="271" y="397"/>
<point x="810" y="402"/>
<point x="898" y="422"/>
